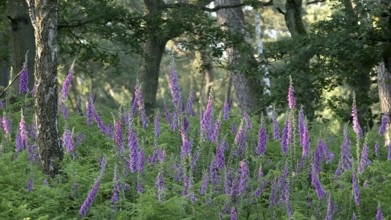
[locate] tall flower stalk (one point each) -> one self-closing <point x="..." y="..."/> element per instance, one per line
<point x="92" y="194"/>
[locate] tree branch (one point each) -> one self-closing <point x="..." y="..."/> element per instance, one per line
<point x="16" y="77"/>
<point x="316" y="1"/>
<point x="214" y="9"/>
<point x="31" y="6"/>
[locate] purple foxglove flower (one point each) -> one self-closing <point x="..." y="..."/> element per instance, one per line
<point x="161" y="155"/>
<point x="291" y="95"/>
<point x="99" y="122"/>
<point x="285" y="138"/>
<point x="90" y="198"/>
<point x="1" y="104"/>
<point x="30" y="184"/>
<point x="276" y="129"/>
<point x="190" y="109"/>
<point x="139" y="187"/>
<point x="316" y="183"/>
<point x="133" y="149"/>
<point x="118" y="138"/>
<point x="248" y="121"/>
<point x="80" y="138"/>
<point x="220" y="158"/>
<point x="46" y="182"/>
<point x="141" y="161"/>
<point x="354" y="216"/>
<point x="363" y="160"/>
<point x="22" y="127"/>
<point x="64" y="111"/>
<point x="186" y="185"/>
<point x="262" y="140"/>
<point x="185" y="124"/>
<point x="144" y="119"/>
<point x="234" y="215"/>
<point x="257" y="192"/>
<point x="194" y="161"/>
<point x="287" y="204"/>
<point x="157" y="125"/>
<point x="206" y="121"/>
<point x="329" y="214"/>
<point x="160" y="186"/>
<point x="216" y="130"/>
<point x="318" y="157"/>
<point x="235" y="186"/>
<point x="179" y="170"/>
<point x="233" y="128"/>
<point x="282" y="180"/>
<point x="214" y="178"/>
<point x="356" y="189"/>
<point x="306" y="142"/>
<point x="109" y="130"/>
<point x="328" y="155"/>
<point x="244" y="177"/>
<point x="185" y="151"/>
<point x="174" y="121"/>
<point x="19" y="142"/>
<point x="66" y="85"/>
<point x="205" y="181"/>
<point x="175" y="88"/>
<point x="356" y="125"/>
<point x="385" y="120"/>
<point x="242" y="146"/>
<point x="32" y="131"/>
<point x="6" y="126"/>
<point x="167" y="116"/>
<point x="273" y="194"/>
<point x="345" y="158"/>
<point x="67" y="141"/>
<point x="377" y="149"/>
<point x="379" y="214"/>
<point x="226" y="110"/>
<point x="239" y="134"/>
<point x="103" y="164"/>
<point x="90" y="110"/>
<point x="24" y="77"/>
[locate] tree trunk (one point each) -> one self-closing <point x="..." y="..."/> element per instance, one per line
<point x="384" y="86"/>
<point x="22" y="40"/>
<point x="293" y="18"/>
<point x="248" y="87"/>
<point x="208" y="71"/>
<point x="43" y="15"/>
<point x="4" y="76"/>
<point x="153" y="52"/>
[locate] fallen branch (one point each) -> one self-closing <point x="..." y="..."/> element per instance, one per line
<point x="6" y="88"/>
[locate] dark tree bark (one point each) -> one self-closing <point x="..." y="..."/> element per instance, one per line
<point x="22" y="40"/>
<point x="43" y="15"/>
<point x="247" y="86"/>
<point x="153" y="52"/>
